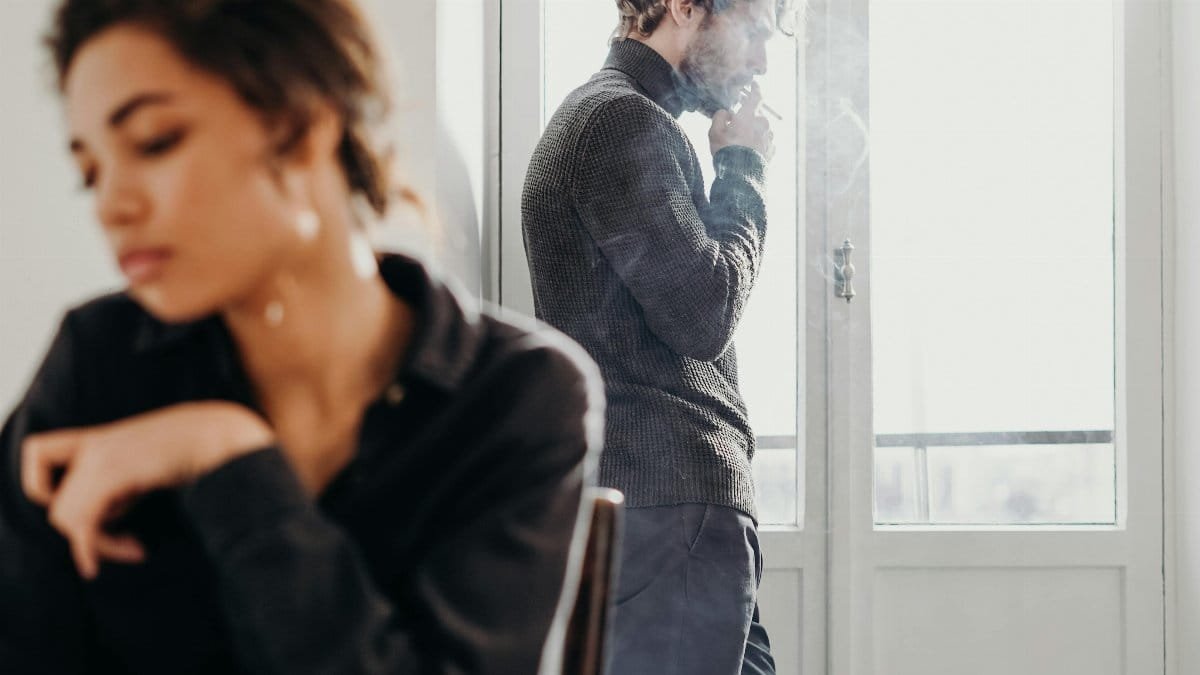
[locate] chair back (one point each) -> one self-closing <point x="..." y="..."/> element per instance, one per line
<point x="584" y="650"/>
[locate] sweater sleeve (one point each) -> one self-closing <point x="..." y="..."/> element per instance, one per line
<point x="300" y="599"/>
<point x="43" y="622"/>
<point x="690" y="271"/>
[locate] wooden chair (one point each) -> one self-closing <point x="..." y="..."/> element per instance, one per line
<point x="584" y="649"/>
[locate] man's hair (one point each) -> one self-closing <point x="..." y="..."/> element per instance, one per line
<point x="643" y="16"/>
<point x="277" y="55"/>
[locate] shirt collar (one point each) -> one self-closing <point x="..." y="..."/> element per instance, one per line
<point x="652" y="73"/>
<point x="449" y="332"/>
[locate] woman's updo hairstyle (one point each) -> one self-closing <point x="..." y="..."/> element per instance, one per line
<point x="280" y="56"/>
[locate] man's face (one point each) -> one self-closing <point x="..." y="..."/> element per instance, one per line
<point x="728" y="52"/>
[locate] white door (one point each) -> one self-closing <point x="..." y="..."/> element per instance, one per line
<point x="911" y="463"/>
<point x="996" y="394"/>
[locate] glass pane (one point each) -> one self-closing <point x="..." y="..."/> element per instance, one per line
<point x="775" y="480"/>
<point x="576" y="36"/>
<point x="992" y="280"/>
<point x="995" y="485"/>
<point x="768" y="342"/>
<point x="896" y="487"/>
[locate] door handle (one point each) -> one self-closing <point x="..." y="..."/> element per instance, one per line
<point x="843" y="272"/>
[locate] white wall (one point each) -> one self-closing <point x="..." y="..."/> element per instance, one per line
<point x="1186" y="115"/>
<point x="51" y="252"/>
<point x="441" y="108"/>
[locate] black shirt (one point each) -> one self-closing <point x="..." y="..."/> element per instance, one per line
<point x="441" y="547"/>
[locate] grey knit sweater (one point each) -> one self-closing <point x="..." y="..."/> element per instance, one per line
<point x="630" y="258"/>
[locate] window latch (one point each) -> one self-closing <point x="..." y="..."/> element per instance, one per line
<point x="843" y="272"/>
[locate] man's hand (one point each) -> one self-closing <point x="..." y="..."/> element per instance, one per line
<point x="747" y="127"/>
<point x="105" y="467"/>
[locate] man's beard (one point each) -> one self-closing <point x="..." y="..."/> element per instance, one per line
<point x="697" y="82"/>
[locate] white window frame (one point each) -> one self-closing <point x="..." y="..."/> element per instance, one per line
<point x="515" y="125"/>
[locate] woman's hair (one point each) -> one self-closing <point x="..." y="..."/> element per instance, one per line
<point x="280" y="56"/>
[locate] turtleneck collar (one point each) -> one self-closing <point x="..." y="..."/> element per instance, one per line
<point x="652" y="73"/>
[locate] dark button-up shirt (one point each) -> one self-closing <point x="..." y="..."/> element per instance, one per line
<point x="441" y="548"/>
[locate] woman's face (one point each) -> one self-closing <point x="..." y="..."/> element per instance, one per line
<point x="180" y="169"/>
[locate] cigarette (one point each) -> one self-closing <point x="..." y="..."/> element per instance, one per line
<point x="771" y="111"/>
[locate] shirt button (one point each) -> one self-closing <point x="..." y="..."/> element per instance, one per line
<point x="394" y="394"/>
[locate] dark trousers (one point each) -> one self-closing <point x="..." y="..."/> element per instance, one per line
<point x="686" y="601"/>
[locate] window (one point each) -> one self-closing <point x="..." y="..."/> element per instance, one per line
<point x="992" y="268"/>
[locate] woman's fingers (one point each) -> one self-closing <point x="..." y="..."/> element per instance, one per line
<point x="80" y="507"/>
<point x="42" y="456"/>
<point x="77" y="511"/>
<point x="83" y="552"/>
<point x="121" y="548"/>
<point x="104" y="467"/>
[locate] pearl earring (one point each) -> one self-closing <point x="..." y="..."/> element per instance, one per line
<point x="307" y="224"/>
<point x="273" y="313"/>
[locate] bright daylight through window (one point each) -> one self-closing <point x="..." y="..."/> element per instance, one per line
<point x="991" y="258"/>
<point x="992" y="271"/>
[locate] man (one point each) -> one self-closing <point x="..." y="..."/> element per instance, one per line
<point x="632" y="259"/>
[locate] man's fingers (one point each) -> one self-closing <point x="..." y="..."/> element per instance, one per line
<point x="41" y="456"/>
<point x="747" y="127"/>
<point x="753" y="100"/>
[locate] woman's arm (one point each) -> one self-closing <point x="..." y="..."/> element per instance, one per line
<point x="107" y="466"/>
<point x="297" y="593"/>
<point x="43" y="622"/>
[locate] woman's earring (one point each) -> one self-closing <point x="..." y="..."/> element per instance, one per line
<point x="273" y="313"/>
<point x="307" y="224"/>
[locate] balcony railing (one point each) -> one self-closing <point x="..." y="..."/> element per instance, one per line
<point x="920" y="443"/>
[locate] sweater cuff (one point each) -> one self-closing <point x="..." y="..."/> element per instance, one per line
<point x="242" y="496"/>
<point x="739" y="160"/>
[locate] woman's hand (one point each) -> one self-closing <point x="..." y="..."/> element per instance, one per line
<point x="105" y="467"/>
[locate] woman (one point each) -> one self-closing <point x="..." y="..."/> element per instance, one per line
<point x="274" y="452"/>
